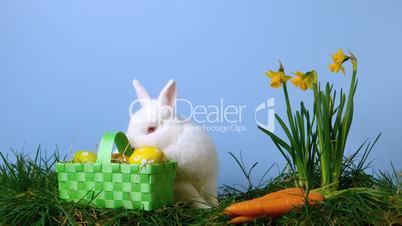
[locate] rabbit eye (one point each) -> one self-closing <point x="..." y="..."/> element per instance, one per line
<point x="151" y="129"/>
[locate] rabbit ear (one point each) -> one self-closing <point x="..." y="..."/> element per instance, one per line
<point x="168" y="94"/>
<point x="142" y="93"/>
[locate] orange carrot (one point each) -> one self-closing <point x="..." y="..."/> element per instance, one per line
<point x="284" y="205"/>
<point x="283" y="193"/>
<point x="273" y="204"/>
<point x="253" y="207"/>
<point x="241" y="219"/>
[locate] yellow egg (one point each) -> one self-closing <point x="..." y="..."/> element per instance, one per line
<point x="147" y="155"/>
<point x="84" y="157"/>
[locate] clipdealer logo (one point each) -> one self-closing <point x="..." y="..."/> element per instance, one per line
<point x="267" y="108"/>
<point x="219" y="117"/>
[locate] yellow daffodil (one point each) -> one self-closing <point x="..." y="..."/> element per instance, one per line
<point x="304" y="81"/>
<point x="277" y="77"/>
<point x="338" y="58"/>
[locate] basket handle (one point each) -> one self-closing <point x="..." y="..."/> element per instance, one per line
<point x="106" y="146"/>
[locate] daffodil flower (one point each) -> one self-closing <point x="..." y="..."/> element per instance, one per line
<point x="304" y="80"/>
<point x="277" y="77"/>
<point x="338" y="59"/>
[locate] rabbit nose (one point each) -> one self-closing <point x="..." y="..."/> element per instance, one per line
<point x="151" y="129"/>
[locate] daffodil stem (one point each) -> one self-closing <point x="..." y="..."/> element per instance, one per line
<point x="290" y="118"/>
<point x="348" y="117"/>
<point x="302" y="177"/>
<point x="332" y="135"/>
<point x="324" y="165"/>
<point x="288" y="107"/>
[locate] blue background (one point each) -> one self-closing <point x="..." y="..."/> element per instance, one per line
<point x="66" y="67"/>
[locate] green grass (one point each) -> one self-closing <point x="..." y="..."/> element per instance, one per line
<point x="29" y="196"/>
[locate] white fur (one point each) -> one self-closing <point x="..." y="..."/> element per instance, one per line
<point x="182" y="141"/>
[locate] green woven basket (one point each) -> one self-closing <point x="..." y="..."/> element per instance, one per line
<point x="112" y="185"/>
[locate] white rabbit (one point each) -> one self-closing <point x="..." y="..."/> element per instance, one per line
<point x="156" y="124"/>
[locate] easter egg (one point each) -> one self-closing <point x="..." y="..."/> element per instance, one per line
<point x="147" y="155"/>
<point x="84" y="157"/>
<point x="119" y="158"/>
